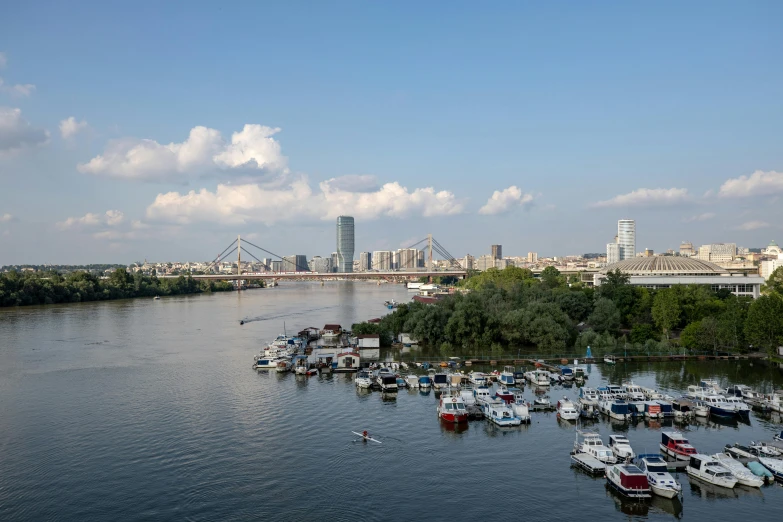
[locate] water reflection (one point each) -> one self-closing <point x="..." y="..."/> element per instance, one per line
<point x="453" y="427"/>
<point x="709" y="491"/>
<point x="672" y="506"/>
<point x="629" y="506"/>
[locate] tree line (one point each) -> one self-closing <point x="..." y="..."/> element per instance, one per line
<point x="36" y="288"/>
<point x="506" y="308"/>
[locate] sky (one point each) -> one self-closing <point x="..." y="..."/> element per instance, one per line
<point x="161" y="131"/>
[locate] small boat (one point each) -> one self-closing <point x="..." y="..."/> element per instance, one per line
<point x="451" y="408"/>
<point x="440" y="381"/>
<point x="477" y="378"/>
<point x="401" y="383"/>
<point x="710" y="470"/>
<point x="621" y="447"/>
<point x="538" y="377"/>
<point x="652" y="409"/>
<point x="482" y="395"/>
<point x="741" y="473"/>
<point x="425" y="382"/>
<point x="507" y="376"/>
<point x="413" y="381"/>
<point x="628" y="480"/>
<point x="301" y="365"/>
<point x="542" y="403"/>
<point x="519" y="378"/>
<point x="651" y="394"/>
<point x="661" y="481"/>
<point x="363" y="380"/>
<point x="391" y="304"/>
<point x="498" y="412"/>
<point x="590" y="443"/>
<point x="683" y="409"/>
<point x="504" y="394"/>
<point x="742" y="453"/>
<point x="455" y="380"/>
<point x="520" y="408"/>
<point x="266" y="363"/>
<point x="633" y="392"/>
<point x="674" y="444"/>
<point x="157" y="298"/>
<point x="618" y="392"/>
<point x="758" y="469"/>
<point x="711" y="385"/>
<point x="616" y="409"/>
<point x="283" y="365"/>
<point x="610" y="359"/>
<point x="775" y="466"/>
<point x="579" y="373"/>
<point x="567" y="373"/>
<point x="566" y="410"/>
<point x="762" y="449"/>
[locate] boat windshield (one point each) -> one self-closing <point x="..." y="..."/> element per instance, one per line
<point x="657" y="468"/>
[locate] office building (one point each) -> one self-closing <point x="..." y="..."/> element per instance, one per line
<point x="408" y="258"/>
<point x="395" y="260"/>
<point x="382" y="260"/>
<point x="612" y="253"/>
<point x="345" y="243"/>
<point x="334" y="261"/>
<point x="485" y="262"/>
<point x="295" y="263"/>
<point x="322" y="265"/>
<point x="277" y="266"/>
<point x="497" y="251"/>
<point x="718" y="252"/>
<point x="686" y="248"/>
<point x="532" y="257"/>
<point x="468" y="262"/>
<point x="626" y="238"/>
<point x="365" y="261"/>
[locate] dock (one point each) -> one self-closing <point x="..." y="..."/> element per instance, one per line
<point x="589" y="463"/>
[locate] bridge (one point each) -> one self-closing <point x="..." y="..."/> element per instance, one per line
<point x="293" y="269"/>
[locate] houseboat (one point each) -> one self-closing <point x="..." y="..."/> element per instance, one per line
<point x="674" y="444"/>
<point x="498" y="412"/>
<point x="507" y="376"/>
<point x="710" y="470"/>
<point x="451" y="408"/>
<point x="590" y="443"/>
<point x="628" y="480"/>
<point x="616" y="409"/>
<point x="331" y="332"/>
<point x="661" y="481"/>
<point x="566" y="410"/>
<point x="621" y="447"/>
<point x="284" y="365"/>
<point x="347" y="362"/>
<point x="324" y="362"/>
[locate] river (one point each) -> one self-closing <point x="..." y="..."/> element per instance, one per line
<point x="149" y="410"/>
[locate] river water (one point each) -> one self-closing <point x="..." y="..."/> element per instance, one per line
<point x="149" y="410"/>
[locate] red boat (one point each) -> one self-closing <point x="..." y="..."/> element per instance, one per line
<point x="451" y="408"/>
<point x="628" y="480"/>
<point x="674" y="444"/>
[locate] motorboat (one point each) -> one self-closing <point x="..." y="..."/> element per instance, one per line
<point x="440" y="381"/>
<point x="652" y="409"/>
<point x="741" y="453"/>
<point x="661" y="481"/>
<point x="621" y="447"/>
<point x="618" y="392"/>
<point x="567" y="373"/>
<point x="301" y="365"/>
<point x="451" y="408"/>
<point x="519" y="378"/>
<point x="507" y="376"/>
<point x="775" y="466"/>
<point x="604" y="394"/>
<point x="741" y="473"/>
<point x="741" y="408"/>
<point x="683" y="409"/>
<point x="666" y="409"/>
<point x="157" y="298"/>
<point x="401" y="383"/>
<point x="425" y="382"/>
<point x="711" y="385"/>
<point x="566" y="410"/>
<point x="538" y="377"/>
<point x="363" y="379"/>
<point x="589" y="395"/>
<point x="746" y="393"/>
<point x="482" y="394"/>
<point x="628" y="480"/>
<point x="542" y="402"/>
<point x="588" y="409"/>
<point x="500" y="413"/>
<point x="610" y="359"/>
<point x="718" y="406"/>
<point x="758" y="469"/>
<point x="455" y="380"/>
<point x="413" y="381"/>
<point x="651" y="394"/>
<point x="579" y="373"/>
<point x="391" y="304"/>
<point x="520" y="408"/>
<point x="633" y="392"/>
<point x="386" y="382"/>
<point x="616" y="409"/>
<point x="710" y="470"/>
<point x="266" y="363"/>
<point x="283" y="365"/>
<point x="591" y="444"/>
<point x="762" y="449"/>
<point x="504" y="394"/>
<point x="674" y="444"/>
<point x="477" y="378"/>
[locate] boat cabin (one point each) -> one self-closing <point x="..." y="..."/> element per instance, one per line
<point x="387" y="382"/>
<point x="425" y="381"/>
<point x="676" y="445"/>
<point x="440" y="380"/>
<point x="617" y="391"/>
<point x="347" y="362"/>
<point x="331" y="330"/>
<point x="628" y="480"/>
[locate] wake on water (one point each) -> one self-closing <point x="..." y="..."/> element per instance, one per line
<point x="272" y="317"/>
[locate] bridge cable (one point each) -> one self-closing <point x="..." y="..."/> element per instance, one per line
<point x="301" y="269"/>
<point x="220" y="255"/>
<point x="254" y="257"/>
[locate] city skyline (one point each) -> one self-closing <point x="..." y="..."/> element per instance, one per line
<point x="107" y="159"/>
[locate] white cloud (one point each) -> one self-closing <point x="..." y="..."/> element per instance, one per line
<point x="646" y="198"/>
<point x="759" y="183"/>
<point x="752" y="225"/>
<point x="71" y="127"/>
<point x="252" y="203"/>
<point x="6" y="218"/>
<point x="110" y="218"/>
<point x="700" y="217"/>
<point x="251" y="153"/>
<point x="353" y="183"/>
<point x="504" y="200"/>
<point x="16" y="133"/>
<point x="18" y="89"/>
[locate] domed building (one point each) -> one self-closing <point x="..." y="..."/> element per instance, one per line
<point x="666" y="271"/>
<point x="773" y="250"/>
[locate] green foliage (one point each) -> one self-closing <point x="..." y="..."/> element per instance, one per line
<point x="506" y="278"/>
<point x="641" y="332"/>
<point x="666" y="310"/>
<point x="774" y="285"/>
<point x="764" y="324"/>
<point x="36" y="288"/>
<point x="605" y="316"/>
<point x="551" y="278"/>
<point x="384" y="335"/>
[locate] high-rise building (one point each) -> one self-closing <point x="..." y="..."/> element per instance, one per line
<point x="485" y="262"/>
<point x="382" y="260"/>
<point x="626" y="238"/>
<point x="532" y="257"/>
<point x="334" y="261"/>
<point x="686" y="248"/>
<point x="277" y="266"/>
<point x="322" y="265"/>
<point x="295" y="263"/>
<point x="395" y="260"/>
<point x="345" y="243"/>
<point x="612" y="253"/>
<point x="421" y="263"/>
<point x="468" y="262"/>
<point x="718" y="252"/>
<point x="497" y="251"/>
<point x="365" y="261"/>
<point x="408" y="258"/>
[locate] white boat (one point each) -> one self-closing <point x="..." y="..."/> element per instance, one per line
<point x="621" y="447"/>
<point x="498" y="412"/>
<point x="156" y="298"/>
<point x="477" y="378"/>
<point x="618" y="392"/>
<point x="741" y="473"/>
<point x="628" y="480"/>
<point x="566" y="410"/>
<point x="507" y="376"/>
<point x="762" y="449"/>
<point x="519" y="406"/>
<point x="661" y="481"/>
<point x="590" y="443"/>
<point x="538" y="377"/>
<point x="363" y="380"/>
<point x="633" y="392"/>
<point x="413" y="381"/>
<point x="482" y="395"/>
<point x="301" y="364"/>
<point x="651" y="394"/>
<point x="467" y="397"/>
<point x="711" y="385"/>
<point x="774" y="402"/>
<point x="710" y="470"/>
<point x="266" y="363"/>
<point x="775" y="466"/>
<point x="610" y="359"/>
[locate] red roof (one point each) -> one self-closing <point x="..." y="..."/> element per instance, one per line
<point x="333" y="327"/>
<point x="348" y="353"/>
<point x="376" y="320"/>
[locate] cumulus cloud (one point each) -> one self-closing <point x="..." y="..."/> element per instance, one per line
<point x="16" y="133"/>
<point x="18" y="89"/>
<point x="646" y="198"/>
<point x="252" y="152"/>
<point x="110" y="218"/>
<point x="752" y="225"/>
<point x="504" y="200"/>
<point x="700" y="217"/>
<point x="249" y="203"/>
<point x="6" y="218"/>
<point x="759" y="183"/>
<point x="353" y="183"/>
<point x="70" y="127"/>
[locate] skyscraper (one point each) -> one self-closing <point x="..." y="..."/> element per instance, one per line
<point x="626" y="238"/>
<point x="612" y="253"/>
<point x="497" y="251"/>
<point x="345" y="244"/>
<point x="365" y="261"/>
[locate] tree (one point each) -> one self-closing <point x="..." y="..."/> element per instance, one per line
<point x="764" y="324"/>
<point x="666" y="310"/>
<point x="550" y="276"/>
<point x="576" y="304"/>
<point x="641" y="332"/>
<point x="605" y="316"/>
<point x="774" y="285"/>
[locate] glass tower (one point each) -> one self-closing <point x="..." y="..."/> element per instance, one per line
<point x="626" y="238"/>
<point x="345" y="244"/>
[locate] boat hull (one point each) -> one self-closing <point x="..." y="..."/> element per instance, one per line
<point x="664" y="492"/>
<point x="451" y="417"/>
<point x="630" y="493"/>
<point x="673" y="453"/>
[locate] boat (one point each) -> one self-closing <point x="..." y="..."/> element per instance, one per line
<point x="519" y="378"/>
<point x="413" y="381"/>
<point x="661" y="481"/>
<point x="266" y="363"/>
<point x="651" y="394"/>
<point x="758" y="469"/>
<point x="538" y="377"/>
<point x="566" y="410"/>
<point x="652" y="409"/>
<point x="774" y="401"/>
<point x="401" y="383"/>
<point x="283" y="365"/>
<point x="590" y="443"/>
<point x="579" y="373"/>
<point x="440" y="381"/>
<point x="324" y="362"/>
<point x="610" y="359"/>
<point x="683" y="409"/>
<point x="542" y="402"/>
<point x="633" y="392"/>
<point x="301" y="365"/>
<point x="331" y="332"/>
<point x="711" y="385"/>
<point x="618" y="392"/>
<point x="425" y="382"/>
<point x="455" y="380"/>
<point x="743" y="475"/>
<point x="504" y="394"/>
<point x="674" y="444"/>
<point x="363" y="379"/>
<point x="157" y="298"/>
<point x="520" y="408"/>
<point x="741" y="408"/>
<point x="628" y="480"/>
<point x="775" y="466"/>
<point x="386" y="382"/>
<point x="741" y="453"/>
<point x="347" y="362"/>
<point x="666" y="409"/>
<point x="391" y="304"/>
<point x="710" y="470"/>
<point x="451" y="408"/>
<point x="746" y="393"/>
<point x="498" y="412"/>
<point x="477" y="378"/>
<point x="616" y="409"/>
<point x="507" y="376"/>
<point x="567" y="373"/>
<point x="482" y="395"/>
<point x="621" y="447"/>
<point x="762" y="449"/>
<point x="719" y="406"/>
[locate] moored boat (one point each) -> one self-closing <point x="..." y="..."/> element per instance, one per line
<point x="451" y="408"/>
<point x="674" y="444"/>
<point x="477" y="378"/>
<point x="590" y="443"/>
<point x="363" y="380"/>
<point x="616" y="409"/>
<point x="775" y="466"/>
<point x="566" y="410"/>
<point x="610" y="359"/>
<point x="661" y="481"/>
<point x="621" y="447"/>
<point x="538" y="377"/>
<point x="628" y="480"/>
<point x="425" y="382"/>
<point x="633" y="392"/>
<point x="498" y="412"/>
<point x="507" y="376"/>
<point x="440" y="381"/>
<point x="741" y="473"/>
<point x="283" y="365"/>
<point x="710" y="470"/>
<point x="504" y="394"/>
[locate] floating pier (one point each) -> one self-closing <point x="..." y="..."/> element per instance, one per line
<point x="589" y="463"/>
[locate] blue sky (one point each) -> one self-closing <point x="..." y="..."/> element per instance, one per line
<point x="279" y="117"/>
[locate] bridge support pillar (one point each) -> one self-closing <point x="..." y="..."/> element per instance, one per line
<point x="429" y="254"/>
